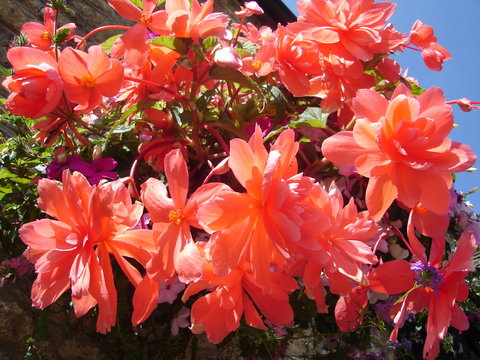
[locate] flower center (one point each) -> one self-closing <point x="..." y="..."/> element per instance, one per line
<point x="144" y="18"/>
<point x="88" y="81"/>
<point x="176" y="216"/>
<point x="45" y="35"/>
<point x="427" y="275"/>
<point x="257" y="64"/>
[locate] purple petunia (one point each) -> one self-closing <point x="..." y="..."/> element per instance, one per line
<point x="427" y="275"/>
<point x="95" y="171"/>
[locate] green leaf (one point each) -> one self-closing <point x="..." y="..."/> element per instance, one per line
<point x="279" y="102"/>
<point x="178" y="44"/>
<point x="251" y="48"/>
<point x="209" y="42"/>
<point x="5" y="174"/>
<point x="107" y="44"/>
<point x="132" y="109"/>
<point x="121" y="129"/>
<point x="312" y="117"/>
<point x="415" y="89"/>
<point x="61" y="36"/>
<point x="137" y="3"/>
<point x="5" y="71"/>
<point x="4" y="190"/>
<point x="230" y="74"/>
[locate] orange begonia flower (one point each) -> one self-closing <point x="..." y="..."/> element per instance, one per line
<point x="351" y="29"/>
<point x="172" y="218"/>
<point x="41" y="36"/>
<point x="87" y="78"/>
<point x="392" y="277"/>
<point x="133" y="44"/>
<point x="298" y="60"/>
<point x="401" y="145"/>
<point x="258" y="226"/>
<point x="189" y="19"/>
<point x="36" y="85"/>
<point x="176" y="252"/>
<point x="342" y="248"/>
<point x="235" y="294"/>
<point x="438" y="289"/>
<point x="72" y="252"/>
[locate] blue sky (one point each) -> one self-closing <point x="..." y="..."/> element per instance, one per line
<point x="457" y="27"/>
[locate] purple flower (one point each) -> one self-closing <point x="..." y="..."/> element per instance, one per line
<point x="102" y="170"/>
<point x="168" y="292"/>
<point x="151" y="34"/>
<point x="265" y="124"/>
<point x="180" y="320"/>
<point x="427" y="275"/>
<point x="279" y="330"/>
<point x="97" y="170"/>
<point x="15" y="266"/>
<point x="55" y="169"/>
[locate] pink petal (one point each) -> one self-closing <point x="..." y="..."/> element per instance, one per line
<point x="177" y="177"/>
<point x="341" y="148"/>
<point x="379" y="196"/>
<point x="126" y="9"/>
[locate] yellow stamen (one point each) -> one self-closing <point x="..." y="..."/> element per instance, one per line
<point x="176" y="216"/>
<point x="144" y="18"/>
<point x="45" y="35"/>
<point x="88" y="81"/>
<point x="257" y="64"/>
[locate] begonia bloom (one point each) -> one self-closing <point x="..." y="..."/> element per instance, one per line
<point x="88" y="77"/>
<point x="390" y="278"/>
<point x="260" y="225"/>
<point x="438" y="289"/>
<point x="298" y="60"/>
<point x="133" y="44"/>
<point x="347" y="28"/>
<point x="236" y="294"/>
<point x="434" y="56"/>
<point x="189" y="19"/>
<point x="41" y="36"/>
<point x="401" y="145"/>
<point x="342" y="249"/>
<point x="172" y="217"/>
<point x="422" y="35"/>
<point x="36" y="85"/>
<point x="72" y="251"/>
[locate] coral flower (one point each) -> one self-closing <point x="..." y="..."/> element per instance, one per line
<point x="189" y="19"/>
<point x="342" y="249"/>
<point x="258" y="226"/>
<point x="347" y="28"/>
<point x="36" y="85"/>
<point x="401" y="145"/>
<point x="433" y="54"/>
<point x="438" y="288"/>
<point x="41" y="36"/>
<point x="89" y="77"/>
<point x="236" y="294"/>
<point x="176" y="252"/>
<point x="172" y="218"/>
<point x="72" y="252"/>
<point x="298" y="60"/>
<point x="133" y="44"/>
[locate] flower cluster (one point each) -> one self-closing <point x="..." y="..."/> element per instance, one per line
<point x="267" y="161"/>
